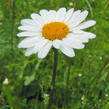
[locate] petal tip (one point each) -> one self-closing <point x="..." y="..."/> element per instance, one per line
<point x="40" y="57"/>
<point x="19" y="46"/>
<point x="26" y="54"/>
<point x="93" y="22"/>
<point x="18" y="35"/>
<point x="94" y="36"/>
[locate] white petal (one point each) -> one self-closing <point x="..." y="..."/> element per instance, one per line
<point x="67" y="51"/>
<point x="30" y="28"/>
<point x="44" y="15"/>
<point x="86" y="24"/>
<point x="80" y="37"/>
<point x="89" y="35"/>
<point x="52" y="15"/>
<point x="36" y="48"/>
<point x="29" y="42"/>
<point x="73" y="43"/>
<point x="27" y="22"/>
<point x="68" y="14"/>
<point x="43" y="12"/>
<point x="22" y="34"/>
<point x="29" y="51"/>
<point x="40" y="44"/>
<point x="60" y="15"/>
<point x="44" y="50"/>
<point x="37" y="18"/>
<point x="79" y="18"/>
<point x="83" y="36"/>
<point x="76" y="31"/>
<point x="56" y="44"/>
<point x="74" y="16"/>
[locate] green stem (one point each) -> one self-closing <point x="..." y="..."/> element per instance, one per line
<point x="51" y="3"/>
<point x="27" y="2"/>
<point x="107" y="4"/>
<point x="53" y="78"/>
<point x="12" y="28"/>
<point x="89" y="5"/>
<point x="58" y="2"/>
<point x="68" y="77"/>
<point x="67" y="88"/>
<point x="9" y="4"/>
<point x="76" y="4"/>
<point x="9" y="96"/>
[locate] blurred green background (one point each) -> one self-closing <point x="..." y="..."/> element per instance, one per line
<point x="29" y="77"/>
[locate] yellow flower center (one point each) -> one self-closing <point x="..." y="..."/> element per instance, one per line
<point x="55" y="30"/>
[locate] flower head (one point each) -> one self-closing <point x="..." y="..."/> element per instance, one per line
<point x="6" y="82"/>
<point x="59" y="29"/>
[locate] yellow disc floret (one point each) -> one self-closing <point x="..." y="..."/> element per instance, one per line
<point x="55" y="30"/>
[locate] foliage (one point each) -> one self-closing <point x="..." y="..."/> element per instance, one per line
<point x="29" y="77"/>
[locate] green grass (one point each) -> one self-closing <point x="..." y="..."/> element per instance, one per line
<point x="29" y="77"/>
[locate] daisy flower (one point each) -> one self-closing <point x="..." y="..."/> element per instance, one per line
<point x="60" y="29"/>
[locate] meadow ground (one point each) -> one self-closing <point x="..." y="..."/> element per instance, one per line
<point x="29" y="77"/>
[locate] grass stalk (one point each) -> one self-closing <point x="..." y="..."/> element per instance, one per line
<point x="12" y="28"/>
<point x="89" y="5"/>
<point x="9" y="96"/>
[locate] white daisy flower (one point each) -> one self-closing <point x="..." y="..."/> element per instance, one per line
<point x="59" y="29"/>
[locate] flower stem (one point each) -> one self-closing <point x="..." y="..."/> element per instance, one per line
<point x="9" y="4"/>
<point x="53" y="78"/>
